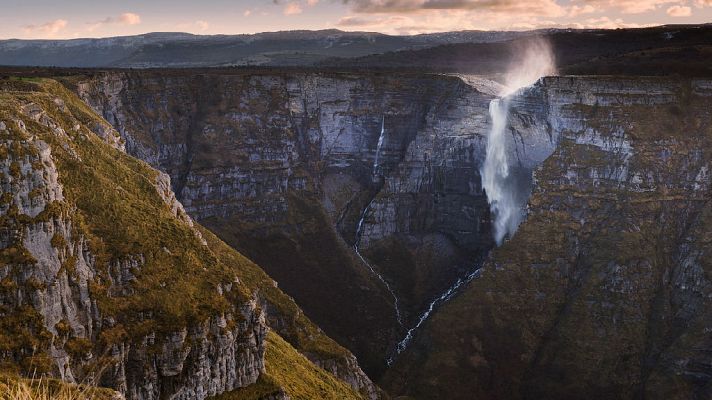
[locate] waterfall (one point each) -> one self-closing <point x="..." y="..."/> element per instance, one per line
<point x="370" y="267"/>
<point x="502" y="193"/>
<point x="378" y="147"/>
<point x="445" y="296"/>
<point x="359" y="227"/>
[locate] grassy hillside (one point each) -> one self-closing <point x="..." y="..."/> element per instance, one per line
<point x="182" y="274"/>
<point x="288" y="372"/>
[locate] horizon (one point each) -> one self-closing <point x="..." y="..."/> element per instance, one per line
<point x="355" y="32"/>
<point x="84" y="19"/>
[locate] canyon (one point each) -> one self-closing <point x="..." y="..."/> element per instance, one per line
<point x="361" y="194"/>
<point x="282" y="186"/>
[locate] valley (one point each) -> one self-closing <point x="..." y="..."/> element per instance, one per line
<point x="325" y="232"/>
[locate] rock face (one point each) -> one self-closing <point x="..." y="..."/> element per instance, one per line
<point x="604" y="291"/>
<point x="105" y="279"/>
<point x="50" y="263"/>
<point x="285" y="165"/>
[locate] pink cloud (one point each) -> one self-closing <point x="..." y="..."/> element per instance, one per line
<point x="577" y="10"/>
<point x="530" y="7"/>
<point x="202" y="25"/>
<point x="129" y="19"/>
<point x="679" y="11"/>
<point x="50" y="28"/>
<point x="292" y="8"/>
<point x="123" y="19"/>
<point x="630" y="6"/>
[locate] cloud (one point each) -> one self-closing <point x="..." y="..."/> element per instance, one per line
<point x="398" y="22"/>
<point x="679" y="11"/>
<point x="292" y="8"/>
<point x="449" y="20"/>
<point x="50" y="28"/>
<point x="606" y="23"/>
<point x="520" y="8"/>
<point x="129" y="19"/>
<point x="312" y="3"/>
<point x="630" y="6"/>
<point x="123" y="19"/>
<point x="247" y="13"/>
<point x="399" y="25"/>
<point x="534" y="7"/>
<point x="577" y="10"/>
<point x="202" y="25"/>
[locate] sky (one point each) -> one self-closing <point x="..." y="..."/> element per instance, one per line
<point x="66" y="19"/>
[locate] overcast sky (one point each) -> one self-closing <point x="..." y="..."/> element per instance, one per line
<point x="98" y="18"/>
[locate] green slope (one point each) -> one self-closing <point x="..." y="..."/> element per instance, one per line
<point x="112" y="201"/>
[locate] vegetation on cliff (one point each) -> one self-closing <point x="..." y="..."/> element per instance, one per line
<point x="155" y="273"/>
<point x="15" y="388"/>
<point x="290" y="373"/>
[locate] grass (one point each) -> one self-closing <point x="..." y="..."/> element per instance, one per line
<point x="112" y="202"/>
<point x="289" y="371"/>
<point x="303" y="334"/>
<point x="119" y="210"/>
<point x="14" y="388"/>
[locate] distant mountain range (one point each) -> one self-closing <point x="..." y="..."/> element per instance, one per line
<point x="681" y="49"/>
<point x="288" y="48"/>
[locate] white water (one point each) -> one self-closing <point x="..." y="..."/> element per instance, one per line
<point x="445" y="296"/>
<point x="501" y="197"/>
<point x="378" y="147"/>
<point x="359" y="227"/>
<point x="370" y="267"/>
<point x="535" y="61"/>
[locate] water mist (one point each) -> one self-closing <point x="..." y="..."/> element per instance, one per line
<point x="535" y="60"/>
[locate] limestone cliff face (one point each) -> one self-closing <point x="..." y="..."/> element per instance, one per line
<point x="66" y="304"/>
<point x="285" y="165"/>
<point x="604" y="291"/>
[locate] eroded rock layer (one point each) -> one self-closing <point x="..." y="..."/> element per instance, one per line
<point x="604" y="292"/>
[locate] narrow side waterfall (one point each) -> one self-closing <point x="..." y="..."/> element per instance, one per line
<point x="501" y="194"/>
<point x="378" y="147"/>
<point x="370" y="267"/>
<point x="445" y="296"/>
<point x="359" y="227"/>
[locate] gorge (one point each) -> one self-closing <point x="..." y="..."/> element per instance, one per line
<point x="513" y="236"/>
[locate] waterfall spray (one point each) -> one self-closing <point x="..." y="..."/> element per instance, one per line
<point x="502" y="190"/>
<point x="495" y="172"/>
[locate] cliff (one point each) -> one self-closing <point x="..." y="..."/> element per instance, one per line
<point x="105" y="279"/>
<point x="604" y="290"/>
<point x="381" y="171"/>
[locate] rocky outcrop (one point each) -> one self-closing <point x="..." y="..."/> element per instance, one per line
<point x="603" y="292"/>
<point x="283" y="165"/>
<point x="75" y="310"/>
